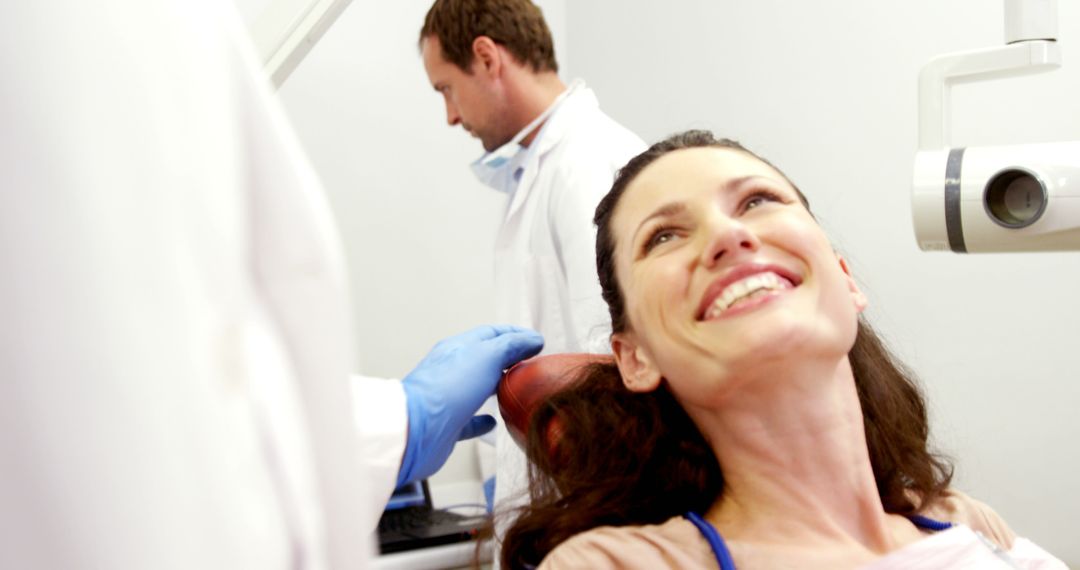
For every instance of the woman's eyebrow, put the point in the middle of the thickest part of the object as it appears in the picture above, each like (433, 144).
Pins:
(676, 208)
(736, 182)
(669, 209)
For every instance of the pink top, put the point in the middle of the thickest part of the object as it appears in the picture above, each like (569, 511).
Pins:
(676, 543)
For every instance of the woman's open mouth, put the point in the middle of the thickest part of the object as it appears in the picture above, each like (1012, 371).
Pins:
(742, 288)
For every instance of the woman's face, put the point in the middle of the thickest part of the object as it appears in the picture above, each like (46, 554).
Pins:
(725, 275)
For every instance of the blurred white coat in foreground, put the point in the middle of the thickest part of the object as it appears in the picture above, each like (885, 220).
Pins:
(175, 340)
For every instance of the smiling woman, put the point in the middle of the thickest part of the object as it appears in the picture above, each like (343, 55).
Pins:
(751, 416)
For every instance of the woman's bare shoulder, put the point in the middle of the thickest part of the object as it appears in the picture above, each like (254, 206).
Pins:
(959, 508)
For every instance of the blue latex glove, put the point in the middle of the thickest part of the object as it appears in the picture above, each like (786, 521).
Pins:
(449, 385)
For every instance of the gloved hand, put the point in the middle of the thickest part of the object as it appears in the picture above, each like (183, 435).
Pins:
(449, 385)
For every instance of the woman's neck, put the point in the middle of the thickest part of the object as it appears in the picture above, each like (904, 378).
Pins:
(792, 448)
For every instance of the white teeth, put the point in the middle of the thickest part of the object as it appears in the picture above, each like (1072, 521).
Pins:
(743, 288)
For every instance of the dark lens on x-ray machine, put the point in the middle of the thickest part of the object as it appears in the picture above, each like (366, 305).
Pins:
(1015, 198)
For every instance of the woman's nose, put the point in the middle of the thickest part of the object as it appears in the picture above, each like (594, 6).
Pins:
(725, 237)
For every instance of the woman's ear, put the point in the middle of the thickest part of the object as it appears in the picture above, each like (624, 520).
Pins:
(486, 56)
(856, 294)
(639, 372)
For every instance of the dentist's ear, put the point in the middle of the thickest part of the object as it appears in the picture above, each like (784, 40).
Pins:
(857, 295)
(486, 55)
(638, 371)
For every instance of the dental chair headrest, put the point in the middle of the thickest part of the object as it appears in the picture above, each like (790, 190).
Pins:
(531, 382)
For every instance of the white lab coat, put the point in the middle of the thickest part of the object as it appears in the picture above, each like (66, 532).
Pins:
(175, 331)
(545, 256)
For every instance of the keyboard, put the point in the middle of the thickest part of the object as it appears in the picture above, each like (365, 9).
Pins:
(420, 527)
(409, 519)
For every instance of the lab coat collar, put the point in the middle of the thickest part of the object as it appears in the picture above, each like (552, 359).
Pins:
(581, 100)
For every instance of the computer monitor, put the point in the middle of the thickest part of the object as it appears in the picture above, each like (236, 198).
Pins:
(408, 495)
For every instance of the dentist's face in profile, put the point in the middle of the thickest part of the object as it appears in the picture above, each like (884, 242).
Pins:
(472, 98)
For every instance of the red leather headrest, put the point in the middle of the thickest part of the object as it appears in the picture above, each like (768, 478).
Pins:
(529, 383)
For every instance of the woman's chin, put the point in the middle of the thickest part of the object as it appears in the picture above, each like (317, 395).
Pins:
(770, 343)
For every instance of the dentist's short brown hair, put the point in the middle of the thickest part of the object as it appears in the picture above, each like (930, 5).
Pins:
(517, 25)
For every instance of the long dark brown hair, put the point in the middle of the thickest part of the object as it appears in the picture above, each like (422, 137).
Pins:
(627, 458)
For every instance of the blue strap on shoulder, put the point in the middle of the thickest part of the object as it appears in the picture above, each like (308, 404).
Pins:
(927, 523)
(723, 557)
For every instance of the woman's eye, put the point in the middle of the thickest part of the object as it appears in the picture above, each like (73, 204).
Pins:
(660, 236)
(760, 198)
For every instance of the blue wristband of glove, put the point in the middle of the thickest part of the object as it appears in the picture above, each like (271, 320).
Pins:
(413, 453)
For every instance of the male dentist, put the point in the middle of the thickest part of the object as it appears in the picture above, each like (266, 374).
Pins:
(552, 151)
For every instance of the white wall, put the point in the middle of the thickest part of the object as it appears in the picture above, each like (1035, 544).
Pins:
(827, 91)
(418, 229)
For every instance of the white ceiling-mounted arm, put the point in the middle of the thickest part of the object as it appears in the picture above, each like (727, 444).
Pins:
(1031, 34)
(1027, 20)
(287, 30)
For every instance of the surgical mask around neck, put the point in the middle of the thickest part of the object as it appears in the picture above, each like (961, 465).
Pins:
(496, 168)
